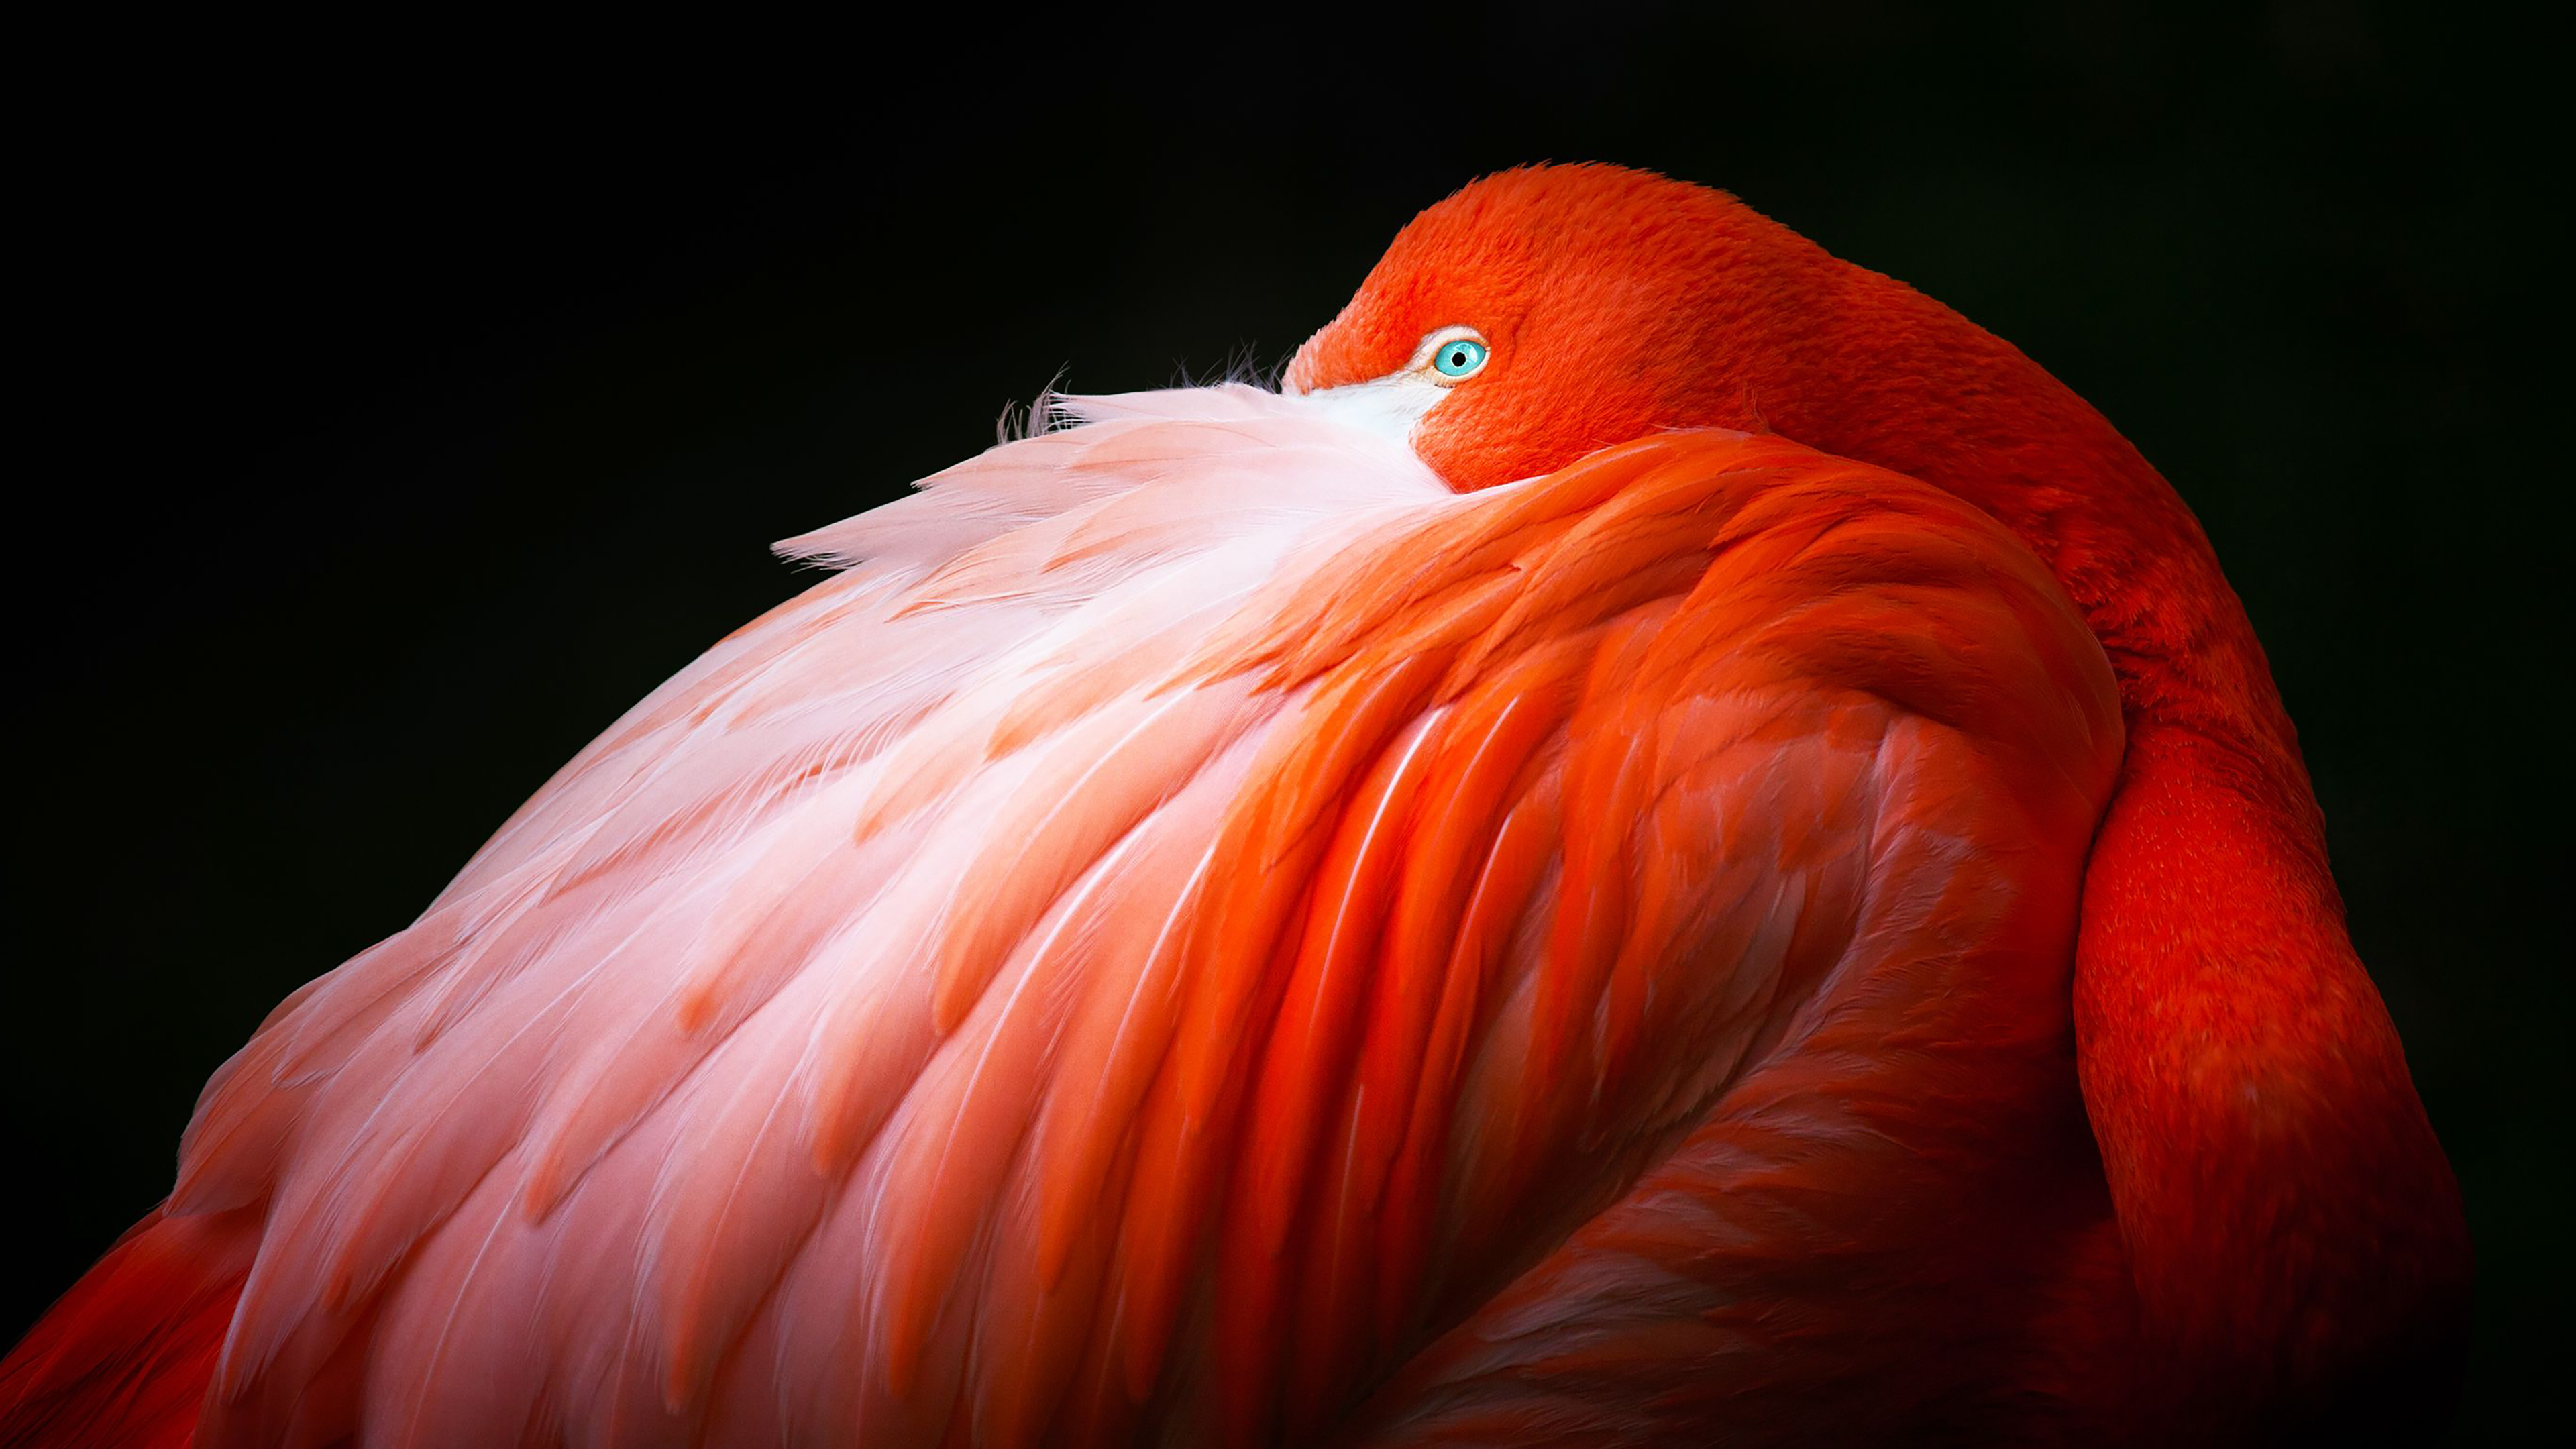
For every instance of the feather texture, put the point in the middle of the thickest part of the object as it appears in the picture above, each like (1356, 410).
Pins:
(1196, 913)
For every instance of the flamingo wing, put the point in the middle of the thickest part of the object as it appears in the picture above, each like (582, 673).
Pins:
(1195, 923)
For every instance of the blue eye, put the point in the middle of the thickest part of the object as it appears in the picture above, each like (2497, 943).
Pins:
(1459, 357)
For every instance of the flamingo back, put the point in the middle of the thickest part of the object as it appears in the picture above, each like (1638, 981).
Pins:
(1194, 925)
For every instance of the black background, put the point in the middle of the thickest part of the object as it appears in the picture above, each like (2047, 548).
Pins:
(403, 404)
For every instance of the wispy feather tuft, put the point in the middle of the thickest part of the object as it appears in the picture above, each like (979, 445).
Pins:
(1243, 367)
(1046, 413)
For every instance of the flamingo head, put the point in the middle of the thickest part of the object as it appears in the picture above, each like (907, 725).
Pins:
(1545, 312)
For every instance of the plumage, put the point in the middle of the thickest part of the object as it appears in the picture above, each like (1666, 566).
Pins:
(1579, 925)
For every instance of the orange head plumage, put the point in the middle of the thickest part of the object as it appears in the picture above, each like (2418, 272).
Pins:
(1606, 304)
(1611, 303)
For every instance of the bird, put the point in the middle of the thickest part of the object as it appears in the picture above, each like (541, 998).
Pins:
(1668, 842)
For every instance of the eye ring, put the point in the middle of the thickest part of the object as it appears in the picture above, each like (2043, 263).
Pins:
(1453, 355)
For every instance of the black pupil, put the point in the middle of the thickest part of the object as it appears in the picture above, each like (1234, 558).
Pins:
(1458, 357)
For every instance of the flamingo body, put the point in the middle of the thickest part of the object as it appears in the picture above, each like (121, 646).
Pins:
(1222, 925)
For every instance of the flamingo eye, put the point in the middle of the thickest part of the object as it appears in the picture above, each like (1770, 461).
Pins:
(1459, 357)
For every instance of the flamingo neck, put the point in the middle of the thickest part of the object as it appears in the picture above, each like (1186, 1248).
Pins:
(2292, 1228)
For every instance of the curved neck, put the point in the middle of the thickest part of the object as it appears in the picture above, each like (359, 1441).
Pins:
(2292, 1228)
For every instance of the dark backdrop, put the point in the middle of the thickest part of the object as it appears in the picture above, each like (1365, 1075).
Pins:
(409, 402)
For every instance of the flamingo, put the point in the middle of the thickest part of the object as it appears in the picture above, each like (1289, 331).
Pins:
(1670, 843)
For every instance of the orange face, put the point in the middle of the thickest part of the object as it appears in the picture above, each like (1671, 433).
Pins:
(1544, 313)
